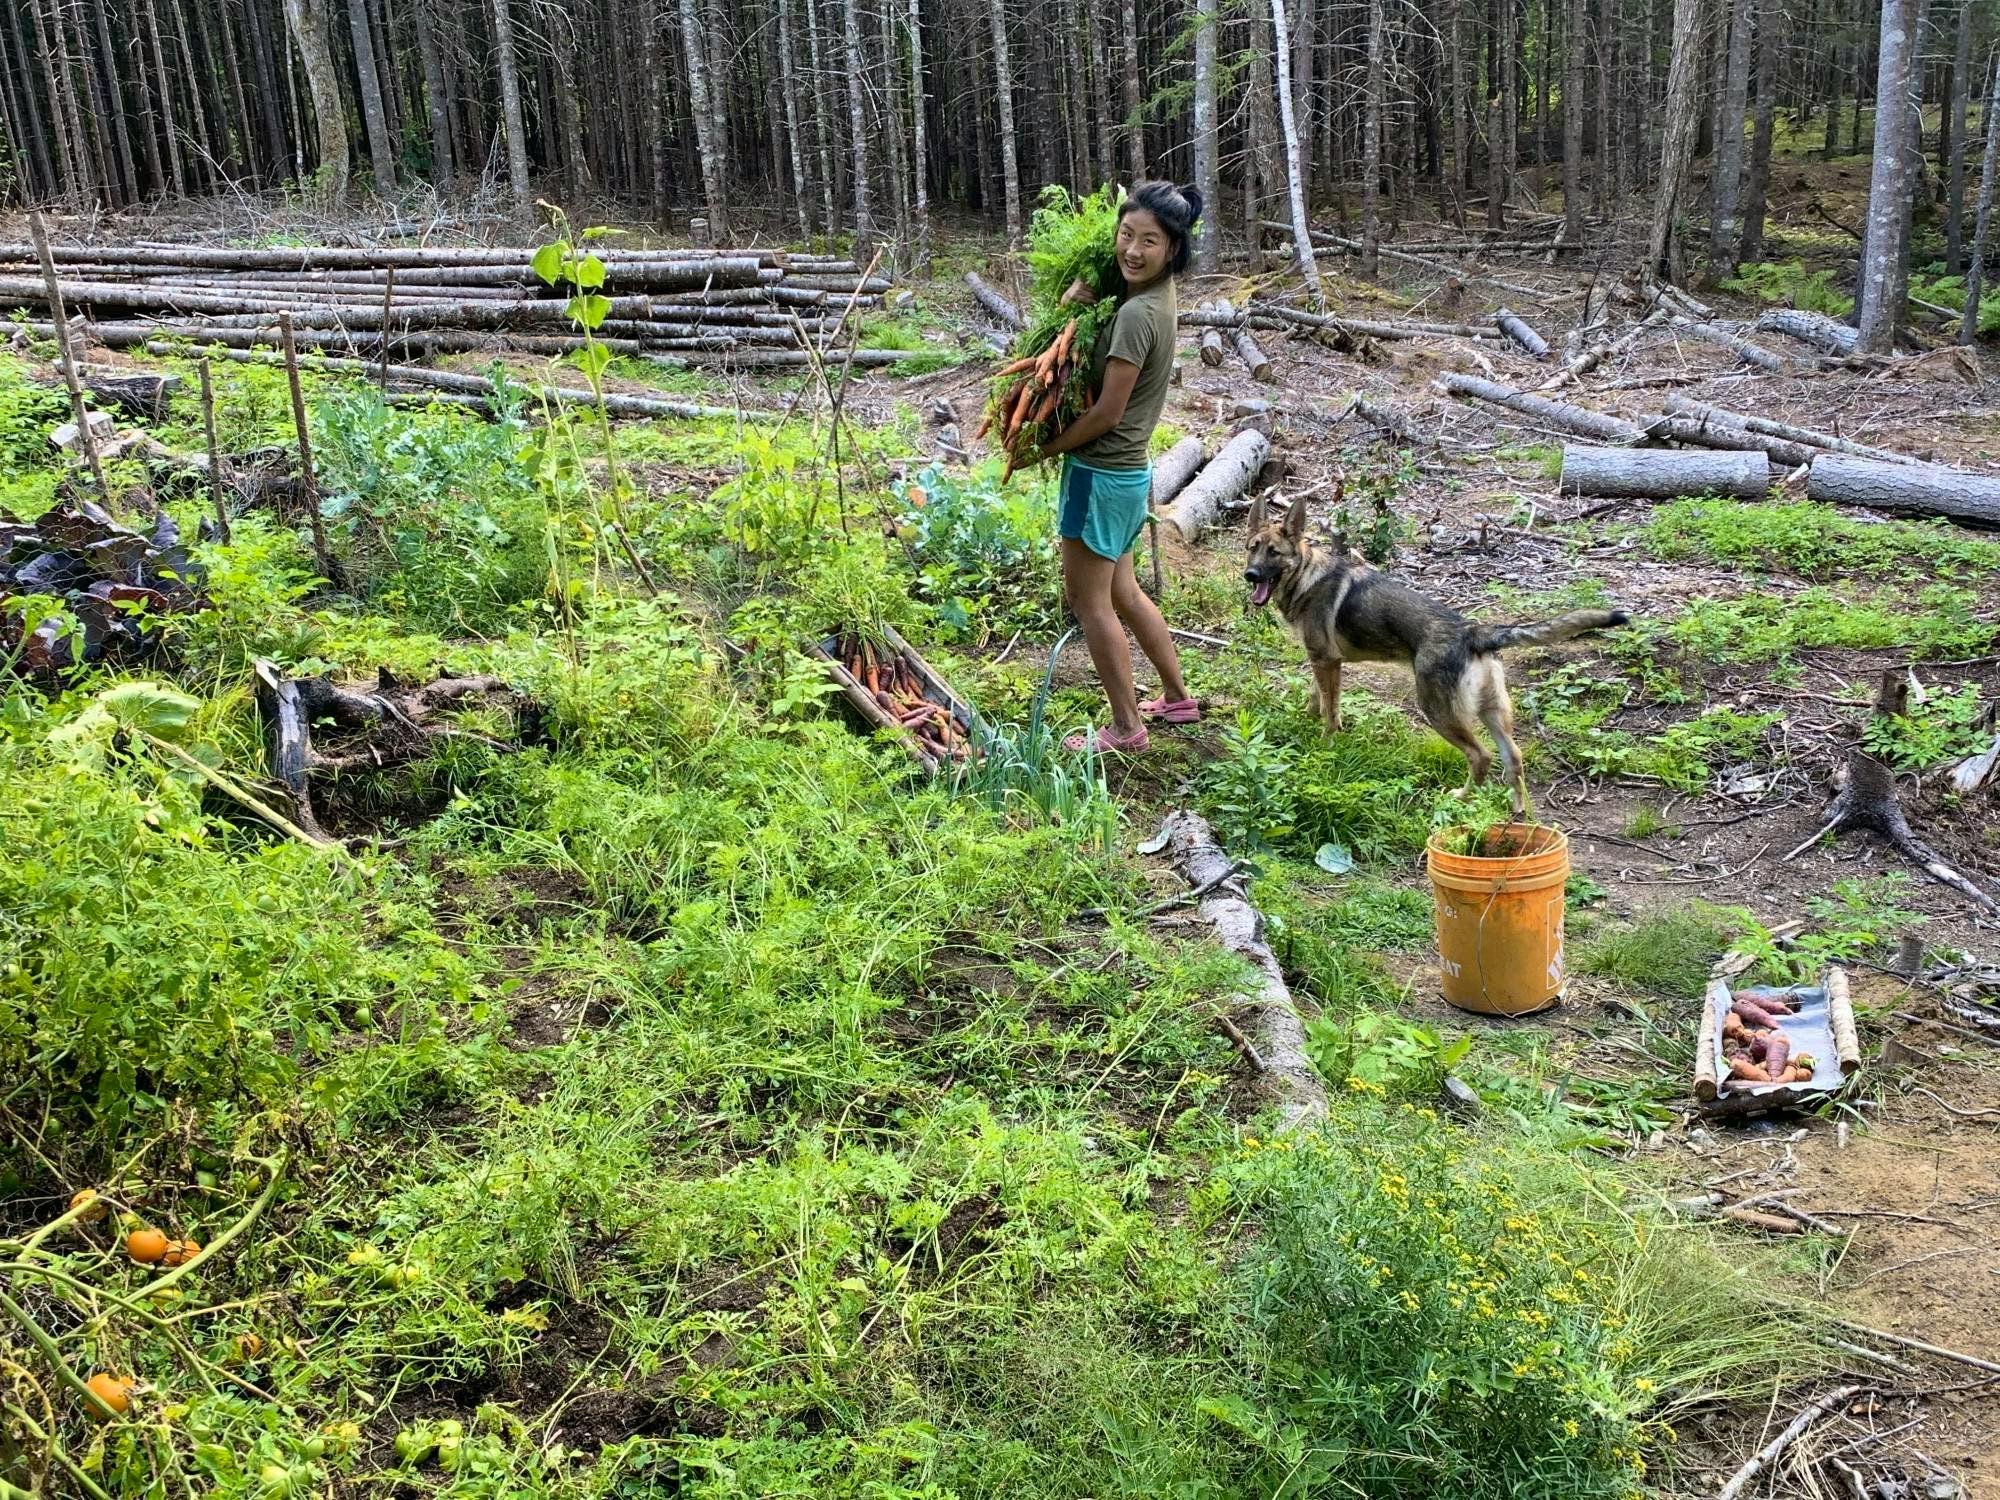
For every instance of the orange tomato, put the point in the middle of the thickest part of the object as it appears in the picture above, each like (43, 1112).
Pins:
(88, 1206)
(180, 1252)
(115, 1391)
(147, 1246)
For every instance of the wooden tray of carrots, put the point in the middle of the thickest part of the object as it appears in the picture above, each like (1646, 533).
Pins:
(891, 687)
(1764, 1048)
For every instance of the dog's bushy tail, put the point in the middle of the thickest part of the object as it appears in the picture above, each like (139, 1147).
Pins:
(1487, 638)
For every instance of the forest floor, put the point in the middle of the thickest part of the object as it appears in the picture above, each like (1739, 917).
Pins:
(684, 1097)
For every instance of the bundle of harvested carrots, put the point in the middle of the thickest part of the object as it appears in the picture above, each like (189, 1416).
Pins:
(1754, 1042)
(1037, 395)
(901, 694)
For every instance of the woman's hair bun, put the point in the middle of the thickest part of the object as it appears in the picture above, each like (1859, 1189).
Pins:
(1195, 202)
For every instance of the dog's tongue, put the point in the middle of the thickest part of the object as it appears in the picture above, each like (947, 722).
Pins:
(1261, 593)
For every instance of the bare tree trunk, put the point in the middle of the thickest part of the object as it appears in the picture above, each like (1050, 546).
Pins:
(308, 22)
(1956, 122)
(62, 109)
(512, 124)
(1770, 58)
(1281, 54)
(1371, 147)
(1135, 133)
(1305, 102)
(1677, 140)
(121, 132)
(920, 144)
(374, 119)
(1574, 90)
(1975, 268)
(1261, 178)
(1830, 142)
(1605, 166)
(817, 93)
(30, 111)
(435, 108)
(1722, 228)
(801, 188)
(1496, 163)
(1003, 86)
(1884, 285)
(715, 191)
(889, 127)
(864, 212)
(1461, 112)
(1207, 234)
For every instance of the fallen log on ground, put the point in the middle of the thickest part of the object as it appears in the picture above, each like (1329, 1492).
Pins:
(1212, 352)
(1867, 799)
(1716, 416)
(146, 297)
(1559, 414)
(997, 306)
(1255, 360)
(480, 387)
(141, 397)
(724, 269)
(1175, 468)
(1222, 479)
(1663, 474)
(1767, 1456)
(1275, 1032)
(1509, 322)
(1339, 244)
(1602, 350)
(1810, 328)
(1917, 488)
(398, 725)
(1742, 348)
(1708, 435)
(1265, 316)
(1383, 418)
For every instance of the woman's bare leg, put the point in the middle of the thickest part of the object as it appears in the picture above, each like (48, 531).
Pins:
(1087, 584)
(1149, 629)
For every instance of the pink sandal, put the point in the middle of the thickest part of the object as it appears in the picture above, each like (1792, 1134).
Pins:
(1107, 743)
(1181, 711)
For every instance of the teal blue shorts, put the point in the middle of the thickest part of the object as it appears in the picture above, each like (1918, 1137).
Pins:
(1105, 509)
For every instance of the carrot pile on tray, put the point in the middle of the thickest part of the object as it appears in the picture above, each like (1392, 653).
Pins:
(1754, 1042)
(899, 692)
(1028, 402)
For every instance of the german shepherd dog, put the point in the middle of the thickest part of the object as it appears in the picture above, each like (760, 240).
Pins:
(1342, 610)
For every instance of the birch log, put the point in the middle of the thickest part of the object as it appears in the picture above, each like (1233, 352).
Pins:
(1810, 328)
(1223, 478)
(1742, 348)
(1687, 406)
(1663, 474)
(1212, 352)
(1173, 471)
(1559, 414)
(997, 307)
(1509, 322)
(1266, 1005)
(1923, 489)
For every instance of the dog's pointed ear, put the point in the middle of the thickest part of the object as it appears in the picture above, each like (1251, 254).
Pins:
(1256, 515)
(1295, 519)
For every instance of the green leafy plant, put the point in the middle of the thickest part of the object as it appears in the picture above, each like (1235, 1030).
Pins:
(1367, 516)
(1791, 283)
(1383, 1052)
(1250, 791)
(986, 552)
(1946, 726)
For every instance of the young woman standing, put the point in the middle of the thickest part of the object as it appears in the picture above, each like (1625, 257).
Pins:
(1107, 472)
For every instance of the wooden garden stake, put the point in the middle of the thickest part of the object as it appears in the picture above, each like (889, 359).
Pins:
(86, 439)
(322, 556)
(215, 478)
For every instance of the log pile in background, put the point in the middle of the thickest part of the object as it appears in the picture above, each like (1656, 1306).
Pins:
(743, 309)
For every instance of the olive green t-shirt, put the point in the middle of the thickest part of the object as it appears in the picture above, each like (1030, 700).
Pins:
(1143, 334)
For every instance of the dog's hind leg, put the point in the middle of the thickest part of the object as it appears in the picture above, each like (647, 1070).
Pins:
(1326, 693)
(1498, 717)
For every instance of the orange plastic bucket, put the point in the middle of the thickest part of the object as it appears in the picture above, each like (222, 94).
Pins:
(1500, 919)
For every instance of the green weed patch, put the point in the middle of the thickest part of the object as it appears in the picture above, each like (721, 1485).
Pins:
(1814, 541)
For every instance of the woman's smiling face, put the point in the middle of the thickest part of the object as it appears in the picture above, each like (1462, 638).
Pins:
(1144, 247)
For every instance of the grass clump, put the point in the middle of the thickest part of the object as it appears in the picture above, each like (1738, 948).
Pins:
(1458, 1317)
(1814, 541)
(1669, 952)
(1766, 628)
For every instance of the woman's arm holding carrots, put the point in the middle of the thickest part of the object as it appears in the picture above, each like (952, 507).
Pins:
(1120, 376)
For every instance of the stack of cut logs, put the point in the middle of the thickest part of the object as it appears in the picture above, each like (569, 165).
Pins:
(738, 308)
